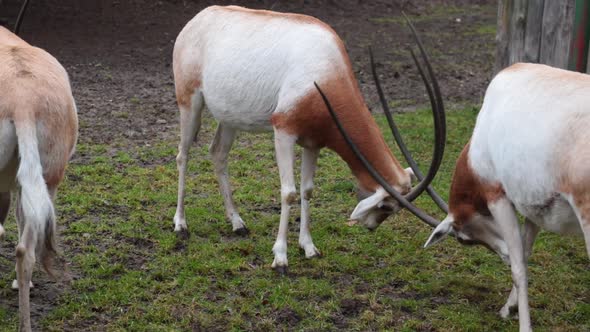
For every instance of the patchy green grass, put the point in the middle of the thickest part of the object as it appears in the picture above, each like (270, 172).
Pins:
(132, 273)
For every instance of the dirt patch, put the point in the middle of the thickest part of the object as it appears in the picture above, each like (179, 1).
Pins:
(352, 307)
(287, 316)
(118, 54)
(45, 294)
(142, 250)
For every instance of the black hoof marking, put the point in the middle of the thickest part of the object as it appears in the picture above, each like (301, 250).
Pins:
(242, 231)
(317, 255)
(281, 270)
(183, 234)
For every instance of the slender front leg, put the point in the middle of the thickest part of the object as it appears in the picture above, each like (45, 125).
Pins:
(190, 123)
(308, 167)
(224, 138)
(285, 154)
(503, 212)
(530, 233)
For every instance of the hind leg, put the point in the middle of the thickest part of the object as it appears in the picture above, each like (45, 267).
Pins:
(224, 137)
(580, 202)
(20, 220)
(530, 233)
(52, 189)
(4, 208)
(190, 123)
(25, 262)
(503, 211)
(308, 167)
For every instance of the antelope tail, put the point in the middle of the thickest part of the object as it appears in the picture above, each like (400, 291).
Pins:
(37, 207)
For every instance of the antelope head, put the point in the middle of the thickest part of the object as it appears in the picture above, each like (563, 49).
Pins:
(373, 208)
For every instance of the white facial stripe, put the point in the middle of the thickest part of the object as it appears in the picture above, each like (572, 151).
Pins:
(368, 204)
(441, 231)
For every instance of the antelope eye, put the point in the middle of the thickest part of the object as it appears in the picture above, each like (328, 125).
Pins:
(387, 207)
(467, 242)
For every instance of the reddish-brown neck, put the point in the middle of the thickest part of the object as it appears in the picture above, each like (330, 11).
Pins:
(366, 135)
(469, 195)
(311, 122)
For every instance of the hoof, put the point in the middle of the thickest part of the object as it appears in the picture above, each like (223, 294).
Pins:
(183, 234)
(281, 270)
(242, 231)
(509, 312)
(15, 285)
(314, 253)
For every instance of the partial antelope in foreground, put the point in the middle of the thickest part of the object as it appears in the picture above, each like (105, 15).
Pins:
(38, 131)
(255, 70)
(530, 152)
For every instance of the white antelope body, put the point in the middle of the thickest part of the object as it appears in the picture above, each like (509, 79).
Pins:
(38, 131)
(530, 153)
(254, 70)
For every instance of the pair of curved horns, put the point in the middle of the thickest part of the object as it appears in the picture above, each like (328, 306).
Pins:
(436, 103)
(19, 19)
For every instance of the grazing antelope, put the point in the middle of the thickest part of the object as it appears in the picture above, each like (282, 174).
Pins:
(254, 70)
(38, 132)
(529, 152)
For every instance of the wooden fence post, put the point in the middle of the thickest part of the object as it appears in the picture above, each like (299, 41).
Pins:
(557, 34)
(518, 24)
(579, 52)
(502, 35)
(532, 40)
(535, 31)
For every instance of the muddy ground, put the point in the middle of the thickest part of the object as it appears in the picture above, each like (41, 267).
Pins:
(118, 55)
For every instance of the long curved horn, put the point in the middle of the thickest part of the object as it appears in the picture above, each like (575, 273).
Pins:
(19, 19)
(398, 137)
(439, 117)
(440, 136)
(399, 197)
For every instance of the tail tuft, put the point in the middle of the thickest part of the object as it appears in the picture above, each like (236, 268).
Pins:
(35, 201)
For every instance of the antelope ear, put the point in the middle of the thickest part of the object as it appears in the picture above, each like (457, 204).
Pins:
(368, 203)
(440, 232)
(411, 174)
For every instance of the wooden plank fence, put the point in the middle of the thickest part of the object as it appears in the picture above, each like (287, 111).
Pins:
(579, 54)
(553, 32)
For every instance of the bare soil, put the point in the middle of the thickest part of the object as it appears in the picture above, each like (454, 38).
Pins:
(118, 53)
